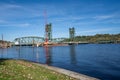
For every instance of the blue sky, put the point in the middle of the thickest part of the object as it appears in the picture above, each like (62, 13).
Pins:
(20, 18)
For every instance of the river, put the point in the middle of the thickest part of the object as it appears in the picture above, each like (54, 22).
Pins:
(97, 60)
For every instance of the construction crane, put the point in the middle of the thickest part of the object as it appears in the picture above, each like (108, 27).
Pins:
(46, 28)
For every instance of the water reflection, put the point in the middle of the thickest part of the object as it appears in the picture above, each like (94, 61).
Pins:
(37, 55)
(1, 52)
(18, 48)
(73, 54)
(48, 55)
(34, 53)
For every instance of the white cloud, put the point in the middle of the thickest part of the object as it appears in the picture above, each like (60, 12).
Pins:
(77, 17)
(9, 6)
(16, 25)
(9, 11)
(102, 17)
(12, 6)
(24, 25)
(98, 30)
(68, 18)
(3, 21)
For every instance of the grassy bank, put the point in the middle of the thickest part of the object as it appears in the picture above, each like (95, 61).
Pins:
(23, 70)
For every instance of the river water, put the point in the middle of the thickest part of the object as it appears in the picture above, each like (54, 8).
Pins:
(97, 60)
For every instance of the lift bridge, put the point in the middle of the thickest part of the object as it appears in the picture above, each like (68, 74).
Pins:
(34, 41)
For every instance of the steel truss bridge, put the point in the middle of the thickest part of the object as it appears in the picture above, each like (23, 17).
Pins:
(29, 40)
(34, 40)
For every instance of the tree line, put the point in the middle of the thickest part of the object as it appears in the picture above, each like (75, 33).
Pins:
(98, 38)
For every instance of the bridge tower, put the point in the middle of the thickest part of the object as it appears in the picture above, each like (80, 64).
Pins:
(48, 31)
(72, 33)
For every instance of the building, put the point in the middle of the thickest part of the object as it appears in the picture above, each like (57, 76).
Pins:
(5, 44)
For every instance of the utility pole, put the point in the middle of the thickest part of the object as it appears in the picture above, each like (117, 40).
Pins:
(2, 41)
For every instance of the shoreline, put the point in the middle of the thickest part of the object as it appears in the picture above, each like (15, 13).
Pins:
(73, 74)
(69, 73)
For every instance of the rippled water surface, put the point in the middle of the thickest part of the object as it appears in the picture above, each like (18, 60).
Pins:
(97, 60)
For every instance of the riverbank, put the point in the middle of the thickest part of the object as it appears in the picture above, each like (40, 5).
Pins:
(23, 70)
(5, 44)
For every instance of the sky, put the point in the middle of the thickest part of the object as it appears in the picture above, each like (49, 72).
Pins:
(21, 18)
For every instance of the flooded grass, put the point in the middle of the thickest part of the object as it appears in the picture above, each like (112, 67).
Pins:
(23, 70)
